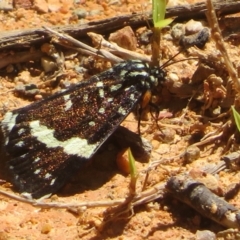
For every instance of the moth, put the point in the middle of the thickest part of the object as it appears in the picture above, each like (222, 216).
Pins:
(49, 140)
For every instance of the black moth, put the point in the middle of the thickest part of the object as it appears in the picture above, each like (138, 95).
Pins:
(50, 139)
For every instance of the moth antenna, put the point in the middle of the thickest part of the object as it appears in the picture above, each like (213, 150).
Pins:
(181, 60)
(169, 62)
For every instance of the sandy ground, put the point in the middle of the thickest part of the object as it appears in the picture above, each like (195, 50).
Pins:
(102, 180)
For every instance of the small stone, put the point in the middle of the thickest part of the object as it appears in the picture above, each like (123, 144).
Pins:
(28, 90)
(203, 72)
(145, 36)
(205, 234)
(166, 135)
(6, 5)
(216, 111)
(123, 162)
(192, 27)
(26, 4)
(124, 38)
(48, 64)
(209, 180)
(173, 77)
(155, 144)
(177, 31)
(191, 154)
(9, 68)
(198, 39)
(46, 228)
(54, 5)
(80, 13)
(38, 97)
(41, 6)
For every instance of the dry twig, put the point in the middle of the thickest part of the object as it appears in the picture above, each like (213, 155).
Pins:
(144, 197)
(199, 197)
(217, 36)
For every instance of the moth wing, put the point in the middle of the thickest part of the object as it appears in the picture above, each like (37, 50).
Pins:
(48, 140)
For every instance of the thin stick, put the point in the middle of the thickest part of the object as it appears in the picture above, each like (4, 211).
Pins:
(141, 198)
(97, 52)
(217, 36)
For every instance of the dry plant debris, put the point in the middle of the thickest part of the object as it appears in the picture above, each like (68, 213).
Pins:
(195, 131)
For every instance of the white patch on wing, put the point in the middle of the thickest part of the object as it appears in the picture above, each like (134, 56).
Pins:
(101, 93)
(23, 156)
(101, 110)
(123, 73)
(36, 160)
(154, 80)
(92, 124)
(85, 97)
(139, 64)
(47, 175)
(9, 121)
(68, 102)
(37, 171)
(99, 84)
(20, 144)
(115, 87)
(132, 97)
(135, 74)
(72, 146)
(53, 181)
(122, 111)
(21, 131)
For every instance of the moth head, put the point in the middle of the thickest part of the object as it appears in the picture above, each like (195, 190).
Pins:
(157, 75)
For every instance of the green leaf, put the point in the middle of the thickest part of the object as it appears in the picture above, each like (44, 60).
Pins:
(163, 23)
(133, 170)
(236, 118)
(158, 10)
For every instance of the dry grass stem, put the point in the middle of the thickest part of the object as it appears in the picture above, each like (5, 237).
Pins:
(216, 34)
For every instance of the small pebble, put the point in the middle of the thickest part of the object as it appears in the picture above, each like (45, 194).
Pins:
(28, 90)
(9, 68)
(198, 39)
(192, 27)
(145, 36)
(123, 162)
(46, 228)
(177, 31)
(125, 38)
(173, 77)
(48, 64)
(166, 135)
(38, 97)
(80, 13)
(41, 6)
(205, 235)
(191, 154)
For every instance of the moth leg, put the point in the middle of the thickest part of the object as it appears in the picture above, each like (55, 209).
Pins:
(145, 101)
(157, 111)
(140, 110)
